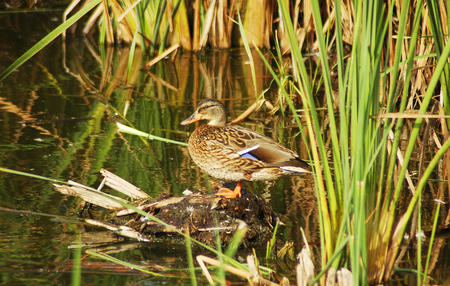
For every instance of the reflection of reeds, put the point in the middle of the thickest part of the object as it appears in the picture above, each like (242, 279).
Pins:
(150, 99)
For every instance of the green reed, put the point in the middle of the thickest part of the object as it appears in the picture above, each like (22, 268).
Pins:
(357, 206)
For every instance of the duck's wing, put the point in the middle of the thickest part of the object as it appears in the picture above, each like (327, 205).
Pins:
(255, 146)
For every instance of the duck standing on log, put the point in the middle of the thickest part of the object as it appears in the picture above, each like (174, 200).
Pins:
(233, 153)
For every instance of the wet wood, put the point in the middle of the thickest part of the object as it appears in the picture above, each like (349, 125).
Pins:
(117, 183)
(89, 196)
(202, 215)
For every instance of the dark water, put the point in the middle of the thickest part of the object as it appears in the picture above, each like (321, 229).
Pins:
(57, 118)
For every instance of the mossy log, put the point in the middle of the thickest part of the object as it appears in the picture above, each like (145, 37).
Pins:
(202, 215)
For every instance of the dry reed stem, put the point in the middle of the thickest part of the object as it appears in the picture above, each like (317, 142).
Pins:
(303, 31)
(127, 11)
(207, 24)
(257, 27)
(203, 260)
(196, 28)
(343, 277)
(66, 13)
(218, 25)
(411, 115)
(108, 23)
(400, 161)
(164, 83)
(252, 108)
(180, 33)
(162, 55)
(91, 20)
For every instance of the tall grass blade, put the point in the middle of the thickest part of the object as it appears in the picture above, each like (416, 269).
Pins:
(220, 272)
(420, 236)
(129, 130)
(439, 39)
(162, 45)
(48, 38)
(160, 12)
(430, 244)
(131, 55)
(334, 197)
(29, 175)
(190, 258)
(236, 240)
(249, 54)
(76, 268)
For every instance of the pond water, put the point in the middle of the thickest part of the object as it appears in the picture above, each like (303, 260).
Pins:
(58, 114)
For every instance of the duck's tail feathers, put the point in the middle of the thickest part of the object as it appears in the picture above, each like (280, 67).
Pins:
(295, 169)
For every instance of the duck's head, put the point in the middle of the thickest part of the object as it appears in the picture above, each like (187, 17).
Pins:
(208, 109)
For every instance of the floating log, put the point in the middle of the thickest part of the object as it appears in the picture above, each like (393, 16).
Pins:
(203, 216)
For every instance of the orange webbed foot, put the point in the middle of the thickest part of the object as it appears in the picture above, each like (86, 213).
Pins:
(228, 193)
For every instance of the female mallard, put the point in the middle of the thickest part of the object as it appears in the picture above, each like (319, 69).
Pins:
(233, 153)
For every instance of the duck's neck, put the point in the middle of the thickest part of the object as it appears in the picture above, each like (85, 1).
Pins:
(219, 121)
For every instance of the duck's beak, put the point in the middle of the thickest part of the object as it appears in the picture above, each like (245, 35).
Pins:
(191, 119)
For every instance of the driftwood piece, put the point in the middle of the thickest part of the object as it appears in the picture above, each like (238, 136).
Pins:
(202, 215)
(89, 196)
(117, 183)
(120, 230)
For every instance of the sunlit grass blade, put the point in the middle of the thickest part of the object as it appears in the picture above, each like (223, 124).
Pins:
(271, 243)
(48, 38)
(76, 269)
(159, 16)
(131, 55)
(220, 271)
(334, 196)
(404, 98)
(34, 176)
(236, 240)
(430, 243)
(249, 54)
(439, 41)
(162, 45)
(190, 258)
(129, 130)
(399, 123)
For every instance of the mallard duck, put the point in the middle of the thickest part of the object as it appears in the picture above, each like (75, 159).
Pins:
(233, 153)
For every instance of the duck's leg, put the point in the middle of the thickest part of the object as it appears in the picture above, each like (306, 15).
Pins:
(228, 193)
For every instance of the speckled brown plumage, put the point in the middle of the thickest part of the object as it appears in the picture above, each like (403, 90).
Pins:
(234, 153)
